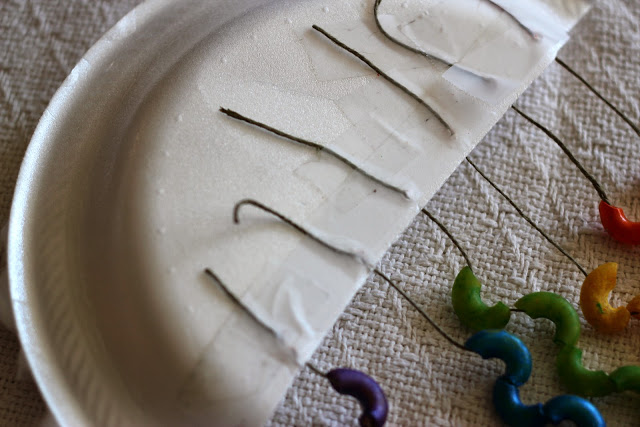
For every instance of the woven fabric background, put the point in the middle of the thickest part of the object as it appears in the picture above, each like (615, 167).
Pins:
(426, 379)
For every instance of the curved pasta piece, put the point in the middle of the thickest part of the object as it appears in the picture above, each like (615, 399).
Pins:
(617, 225)
(573, 408)
(469, 307)
(584, 382)
(502, 345)
(555, 308)
(594, 300)
(634, 307)
(506, 396)
(573, 375)
(506, 400)
(627, 378)
(580, 380)
(366, 390)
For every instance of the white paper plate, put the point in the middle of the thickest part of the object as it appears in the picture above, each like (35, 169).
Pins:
(126, 190)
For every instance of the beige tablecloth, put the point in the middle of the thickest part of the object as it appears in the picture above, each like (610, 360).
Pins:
(427, 380)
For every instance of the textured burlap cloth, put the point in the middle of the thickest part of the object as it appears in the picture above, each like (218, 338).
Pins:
(427, 380)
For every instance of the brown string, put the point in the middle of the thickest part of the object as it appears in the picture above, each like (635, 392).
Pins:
(526, 217)
(316, 146)
(339, 251)
(385, 76)
(494, 185)
(566, 151)
(620, 114)
(233, 297)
